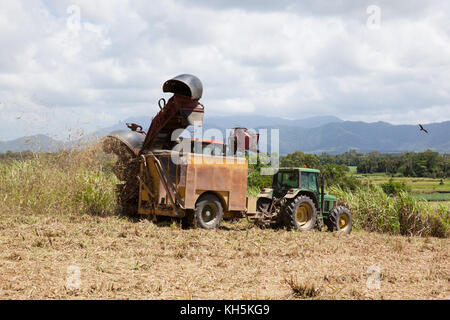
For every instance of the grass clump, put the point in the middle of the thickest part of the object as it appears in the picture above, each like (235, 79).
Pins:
(302, 290)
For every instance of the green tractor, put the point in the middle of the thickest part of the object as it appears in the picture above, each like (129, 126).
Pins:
(297, 201)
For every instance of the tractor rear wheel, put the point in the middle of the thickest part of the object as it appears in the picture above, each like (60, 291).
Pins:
(208, 213)
(300, 214)
(339, 219)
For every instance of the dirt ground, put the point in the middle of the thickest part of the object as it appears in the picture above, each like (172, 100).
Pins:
(88, 257)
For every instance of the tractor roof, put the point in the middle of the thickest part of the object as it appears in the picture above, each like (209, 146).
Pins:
(300, 169)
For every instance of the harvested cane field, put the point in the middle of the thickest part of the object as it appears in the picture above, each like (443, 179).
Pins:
(61, 237)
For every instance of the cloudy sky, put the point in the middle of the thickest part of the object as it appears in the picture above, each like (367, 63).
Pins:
(72, 67)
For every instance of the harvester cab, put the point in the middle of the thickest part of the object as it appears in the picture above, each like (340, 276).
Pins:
(297, 201)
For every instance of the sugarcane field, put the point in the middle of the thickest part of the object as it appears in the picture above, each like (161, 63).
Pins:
(249, 153)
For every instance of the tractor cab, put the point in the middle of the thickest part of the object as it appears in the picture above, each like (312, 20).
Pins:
(299, 178)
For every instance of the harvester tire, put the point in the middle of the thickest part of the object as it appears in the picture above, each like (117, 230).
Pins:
(339, 219)
(208, 213)
(299, 214)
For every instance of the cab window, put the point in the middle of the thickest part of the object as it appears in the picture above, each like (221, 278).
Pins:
(305, 180)
(313, 182)
(309, 181)
(286, 180)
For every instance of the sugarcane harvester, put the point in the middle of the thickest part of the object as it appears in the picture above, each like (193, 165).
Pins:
(161, 179)
(201, 189)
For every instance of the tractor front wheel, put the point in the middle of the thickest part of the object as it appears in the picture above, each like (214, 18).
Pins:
(300, 214)
(339, 219)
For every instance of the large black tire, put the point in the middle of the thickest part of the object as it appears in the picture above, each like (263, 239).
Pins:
(339, 219)
(208, 213)
(299, 214)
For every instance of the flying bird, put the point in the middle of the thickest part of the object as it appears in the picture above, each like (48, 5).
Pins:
(422, 129)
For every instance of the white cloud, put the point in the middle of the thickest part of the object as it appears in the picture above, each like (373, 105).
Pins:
(285, 59)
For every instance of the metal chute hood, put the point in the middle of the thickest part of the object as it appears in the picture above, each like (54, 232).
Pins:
(186, 85)
(123, 139)
(181, 110)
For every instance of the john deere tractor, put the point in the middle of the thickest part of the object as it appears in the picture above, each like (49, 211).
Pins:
(297, 201)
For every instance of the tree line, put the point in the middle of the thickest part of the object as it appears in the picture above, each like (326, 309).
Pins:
(408, 164)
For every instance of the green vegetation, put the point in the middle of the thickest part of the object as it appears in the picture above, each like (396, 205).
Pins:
(394, 187)
(433, 196)
(300, 159)
(353, 169)
(256, 181)
(374, 210)
(339, 175)
(69, 182)
(408, 164)
(418, 187)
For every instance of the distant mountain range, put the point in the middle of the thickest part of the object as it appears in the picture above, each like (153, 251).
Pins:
(256, 121)
(38, 142)
(312, 135)
(365, 137)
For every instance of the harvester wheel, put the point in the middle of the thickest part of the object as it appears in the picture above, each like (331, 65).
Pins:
(339, 219)
(300, 214)
(208, 212)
